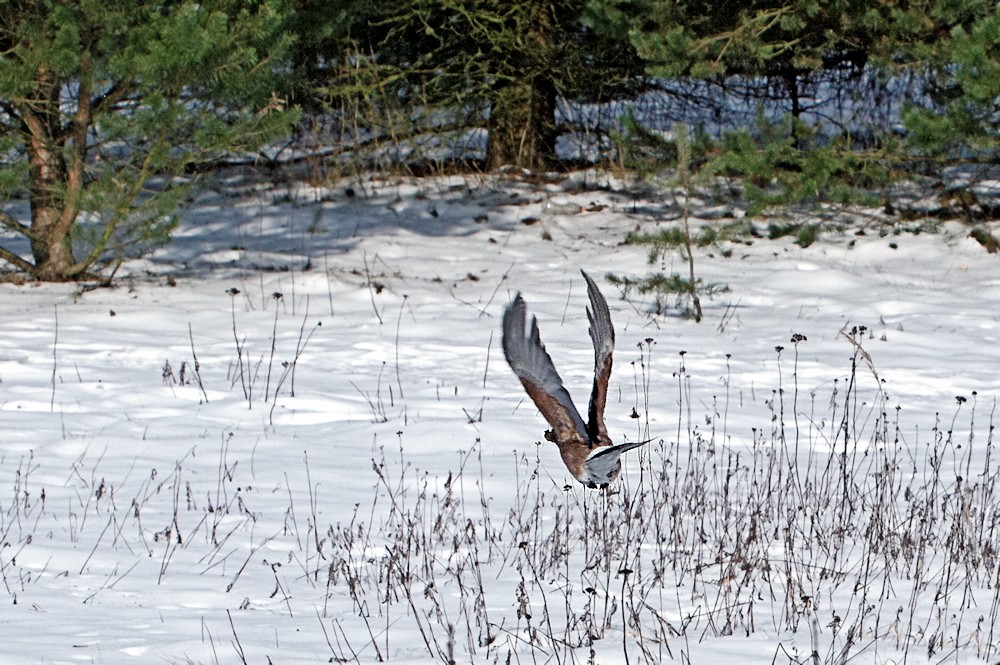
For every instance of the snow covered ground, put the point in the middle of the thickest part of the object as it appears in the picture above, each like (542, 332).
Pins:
(291, 436)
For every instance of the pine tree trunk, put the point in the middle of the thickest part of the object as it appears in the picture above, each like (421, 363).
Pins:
(522, 129)
(53, 187)
(50, 248)
(50, 244)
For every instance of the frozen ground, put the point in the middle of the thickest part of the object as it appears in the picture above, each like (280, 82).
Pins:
(391, 501)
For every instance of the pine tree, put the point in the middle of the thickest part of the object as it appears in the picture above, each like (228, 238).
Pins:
(103, 102)
(502, 65)
(958, 118)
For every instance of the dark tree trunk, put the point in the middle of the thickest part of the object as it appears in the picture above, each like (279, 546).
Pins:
(790, 76)
(522, 126)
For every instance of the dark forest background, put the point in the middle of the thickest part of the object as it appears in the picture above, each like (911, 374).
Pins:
(107, 109)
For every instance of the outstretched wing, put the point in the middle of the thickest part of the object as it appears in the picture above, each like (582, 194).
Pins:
(602, 461)
(527, 356)
(602, 333)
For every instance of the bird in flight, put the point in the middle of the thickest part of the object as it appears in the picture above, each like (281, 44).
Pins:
(586, 449)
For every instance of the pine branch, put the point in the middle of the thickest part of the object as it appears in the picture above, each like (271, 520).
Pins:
(17, 261)
(14, 225)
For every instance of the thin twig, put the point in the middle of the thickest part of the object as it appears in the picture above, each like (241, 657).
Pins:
(489, 347)
(236, 644)
(329, 287)
(493, 295)
(55, 342)
(371, 291)
(233, 292)
(683, 162)
(399, 319)
(197, 365)
(274, 345)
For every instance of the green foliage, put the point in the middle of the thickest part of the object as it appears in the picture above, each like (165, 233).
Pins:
(786, 164)
(805, 234)
(670, 292)
(402, 69)
(454, 65)
(961, 119)
(114, 102)
(330, 47)
(685, 292)
(786, 51)
(681, 293)
(986, 239)
(641, 149)
(672, 238)
(784, 39)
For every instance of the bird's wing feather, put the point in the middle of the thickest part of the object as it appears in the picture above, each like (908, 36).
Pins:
(527, 356)
(602, 333)
(601, 461)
